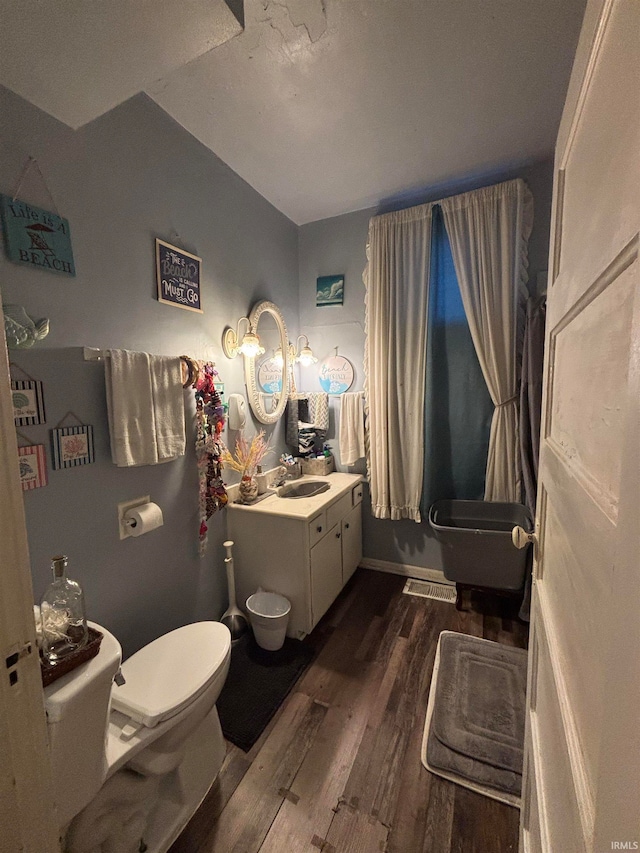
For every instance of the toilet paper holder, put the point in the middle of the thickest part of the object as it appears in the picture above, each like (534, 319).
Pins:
(138, 516)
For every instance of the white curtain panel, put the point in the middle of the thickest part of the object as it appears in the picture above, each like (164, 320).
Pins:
(397, 283)
(488, 230)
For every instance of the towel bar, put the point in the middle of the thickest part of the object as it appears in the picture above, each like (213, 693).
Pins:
(95, 354)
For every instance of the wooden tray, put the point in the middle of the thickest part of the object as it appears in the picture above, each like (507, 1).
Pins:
(51, 672)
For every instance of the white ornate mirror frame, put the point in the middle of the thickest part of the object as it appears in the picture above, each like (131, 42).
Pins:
(250, 374)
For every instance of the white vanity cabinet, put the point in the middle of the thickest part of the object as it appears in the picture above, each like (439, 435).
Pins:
(304, 548)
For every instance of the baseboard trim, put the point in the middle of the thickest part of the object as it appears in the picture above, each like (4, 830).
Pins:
(406, 571)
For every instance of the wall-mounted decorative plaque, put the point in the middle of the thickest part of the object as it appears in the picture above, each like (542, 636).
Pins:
(178, 277)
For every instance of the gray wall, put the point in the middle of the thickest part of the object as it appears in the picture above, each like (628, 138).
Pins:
(122, 180)
(338, 245)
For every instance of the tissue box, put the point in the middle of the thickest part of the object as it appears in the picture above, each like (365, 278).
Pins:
(319, 467)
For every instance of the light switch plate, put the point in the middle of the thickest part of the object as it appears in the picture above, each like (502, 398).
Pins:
(122, 509)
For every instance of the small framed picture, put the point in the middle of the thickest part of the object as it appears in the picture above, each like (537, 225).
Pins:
(178, 277)
(329, 290)
(33, 466)
(72, 446)
(28, 402)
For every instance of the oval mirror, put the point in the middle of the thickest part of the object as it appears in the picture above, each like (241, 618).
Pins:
(267, 321)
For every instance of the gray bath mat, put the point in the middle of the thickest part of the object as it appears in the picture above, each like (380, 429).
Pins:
(474, 731)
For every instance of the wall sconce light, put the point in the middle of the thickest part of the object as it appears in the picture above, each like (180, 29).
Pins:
(250, 345)
(305, 354)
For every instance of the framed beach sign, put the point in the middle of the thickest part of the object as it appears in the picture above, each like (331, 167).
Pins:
(72, 446)
(178, 277)
(33, 466)
(28, 402)
(35, 237)
(329, 290)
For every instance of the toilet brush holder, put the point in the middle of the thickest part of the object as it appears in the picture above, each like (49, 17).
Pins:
(233, 617)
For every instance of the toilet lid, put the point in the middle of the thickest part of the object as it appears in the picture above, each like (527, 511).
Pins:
(168, 674)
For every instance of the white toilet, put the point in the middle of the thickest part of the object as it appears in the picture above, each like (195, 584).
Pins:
(133, 762)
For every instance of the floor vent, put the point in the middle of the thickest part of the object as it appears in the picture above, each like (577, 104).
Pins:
(430, 589)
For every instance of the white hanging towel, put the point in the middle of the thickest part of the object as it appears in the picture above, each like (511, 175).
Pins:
(351, 427)
(145, 406)
(168, 406)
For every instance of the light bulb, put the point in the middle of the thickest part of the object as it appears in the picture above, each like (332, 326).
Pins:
(306, 357)
(250, 345)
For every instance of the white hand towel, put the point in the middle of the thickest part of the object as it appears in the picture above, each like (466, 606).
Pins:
(146, 408)
(351, 427)
(130, 405)
(168, 406)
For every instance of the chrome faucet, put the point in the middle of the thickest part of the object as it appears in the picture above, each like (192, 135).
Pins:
(285, 473)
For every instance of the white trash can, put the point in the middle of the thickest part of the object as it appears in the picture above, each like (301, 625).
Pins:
(269, 614)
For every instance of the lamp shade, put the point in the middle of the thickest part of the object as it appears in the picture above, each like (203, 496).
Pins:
(250, 345)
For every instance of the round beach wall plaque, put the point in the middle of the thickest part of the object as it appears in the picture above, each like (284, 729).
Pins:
(336, 374)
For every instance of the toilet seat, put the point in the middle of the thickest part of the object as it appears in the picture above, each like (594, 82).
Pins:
(165, 677)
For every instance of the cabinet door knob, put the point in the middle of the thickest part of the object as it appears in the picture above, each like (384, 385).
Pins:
(337, 535)
(347, 526)
(319, 528)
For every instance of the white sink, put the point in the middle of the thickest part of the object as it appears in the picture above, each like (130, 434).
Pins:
(303, 489)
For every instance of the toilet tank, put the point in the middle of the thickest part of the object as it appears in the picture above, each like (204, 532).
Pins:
(78, 706)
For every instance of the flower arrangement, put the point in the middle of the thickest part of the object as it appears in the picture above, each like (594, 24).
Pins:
(248, 454)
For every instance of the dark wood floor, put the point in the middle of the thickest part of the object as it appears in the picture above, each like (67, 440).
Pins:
(338, 769)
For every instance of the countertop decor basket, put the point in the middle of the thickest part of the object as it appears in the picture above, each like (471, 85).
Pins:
(51, 672)
(319, 467)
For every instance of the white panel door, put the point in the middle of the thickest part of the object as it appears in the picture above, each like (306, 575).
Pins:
(27, 820)
(582, 749)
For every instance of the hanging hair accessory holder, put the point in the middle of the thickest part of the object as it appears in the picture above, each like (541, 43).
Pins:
(210, 418)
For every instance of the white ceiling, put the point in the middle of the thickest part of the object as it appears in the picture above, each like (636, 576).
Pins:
(77, 59)
(323, 106)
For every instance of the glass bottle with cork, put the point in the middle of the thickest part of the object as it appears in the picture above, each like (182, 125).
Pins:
(64, 623)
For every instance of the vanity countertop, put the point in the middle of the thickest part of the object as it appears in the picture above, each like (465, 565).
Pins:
(303, 508)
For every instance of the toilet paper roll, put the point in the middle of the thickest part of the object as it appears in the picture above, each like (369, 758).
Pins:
(142, 519)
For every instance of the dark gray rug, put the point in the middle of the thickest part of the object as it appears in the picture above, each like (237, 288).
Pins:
(476, 729)
(257, 684)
